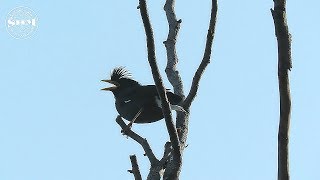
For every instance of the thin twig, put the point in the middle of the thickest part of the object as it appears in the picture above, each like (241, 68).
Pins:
(142, 141)
(135, 168)
(159, 84)
(284, 66)
(206, 57)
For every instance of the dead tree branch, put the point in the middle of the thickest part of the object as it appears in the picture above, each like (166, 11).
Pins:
(155, 172)
(206, 57)
(166, 153)
(172, 157)
(135, 168)
(284, 66)
(172, 71)
(160, 87)
(142, 141)
(170, 44)
(182, 121)
(174, 78)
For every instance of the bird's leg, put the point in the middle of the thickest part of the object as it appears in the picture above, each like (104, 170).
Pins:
(132, 121)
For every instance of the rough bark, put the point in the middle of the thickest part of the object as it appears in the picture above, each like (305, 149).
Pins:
(284, 66)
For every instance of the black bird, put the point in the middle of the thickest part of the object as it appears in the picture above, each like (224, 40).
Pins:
(135, 102)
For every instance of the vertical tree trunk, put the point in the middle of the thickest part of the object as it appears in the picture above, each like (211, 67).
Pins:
(284, 66)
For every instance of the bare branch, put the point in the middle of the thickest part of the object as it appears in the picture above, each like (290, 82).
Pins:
(174, 77)
(206, 57)
(156, 165)
(135, 168)
(156, 170)
(166, 153)
(172, 70)
(159, 84)
(142, 141)
(284, 66)
(170, 44)
(155, 173)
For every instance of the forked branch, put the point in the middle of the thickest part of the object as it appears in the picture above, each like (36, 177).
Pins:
(159, 84)
(142, 141)
(172, 156)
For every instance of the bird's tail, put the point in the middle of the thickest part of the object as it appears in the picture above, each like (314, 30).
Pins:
(173, 98)
(174, 101)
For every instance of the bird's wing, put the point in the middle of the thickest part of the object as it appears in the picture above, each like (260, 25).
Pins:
(144, 94)
(137, 96)
(141, 95)
(152, 90)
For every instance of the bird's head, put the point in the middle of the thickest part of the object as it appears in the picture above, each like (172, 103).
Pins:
(121, 79)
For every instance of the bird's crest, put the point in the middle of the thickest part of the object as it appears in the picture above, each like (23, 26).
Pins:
(119, 73)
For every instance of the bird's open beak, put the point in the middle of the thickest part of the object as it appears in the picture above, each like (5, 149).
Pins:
(116, 85)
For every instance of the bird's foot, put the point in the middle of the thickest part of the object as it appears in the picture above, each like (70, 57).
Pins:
(126, 129)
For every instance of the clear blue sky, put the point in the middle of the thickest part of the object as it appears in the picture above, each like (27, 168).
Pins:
(56, 124)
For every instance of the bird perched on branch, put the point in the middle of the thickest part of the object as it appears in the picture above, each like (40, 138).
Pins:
(135, 102)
